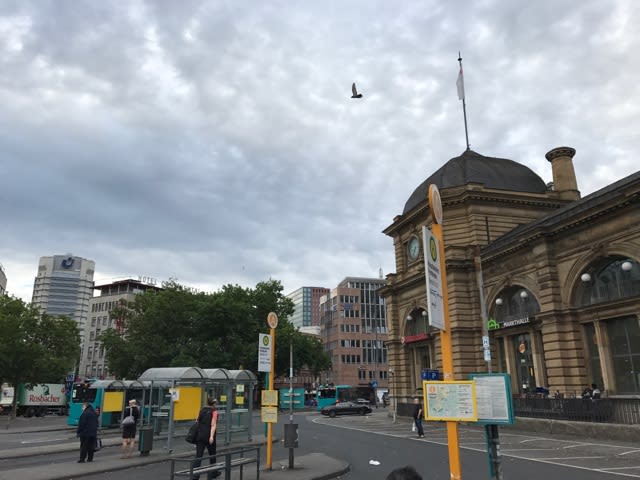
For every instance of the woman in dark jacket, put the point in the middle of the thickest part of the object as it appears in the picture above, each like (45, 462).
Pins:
(88, 432)
(207, 429)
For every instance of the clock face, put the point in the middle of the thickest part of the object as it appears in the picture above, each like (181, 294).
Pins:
(414, 248)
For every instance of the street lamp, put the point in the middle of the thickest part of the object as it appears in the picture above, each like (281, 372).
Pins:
(626, 266)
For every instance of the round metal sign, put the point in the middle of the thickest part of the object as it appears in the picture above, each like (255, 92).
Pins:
(272, 320)
(435, 204)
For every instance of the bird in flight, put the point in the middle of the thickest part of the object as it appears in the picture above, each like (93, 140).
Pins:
(355, 92)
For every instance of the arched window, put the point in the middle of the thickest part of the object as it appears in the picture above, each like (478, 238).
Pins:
(513, 304)
(608, 279)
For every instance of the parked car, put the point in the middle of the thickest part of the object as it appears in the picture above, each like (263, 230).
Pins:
(363, 401)
(346, 408)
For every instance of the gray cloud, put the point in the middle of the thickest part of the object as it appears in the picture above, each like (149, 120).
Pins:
(216, 142)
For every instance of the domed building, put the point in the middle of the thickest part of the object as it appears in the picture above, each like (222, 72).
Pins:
(552, 278)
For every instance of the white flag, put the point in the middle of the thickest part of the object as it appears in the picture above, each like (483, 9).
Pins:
(460, 84)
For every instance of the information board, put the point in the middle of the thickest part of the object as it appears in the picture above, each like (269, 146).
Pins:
(450, 401)
(264, 352)
(269, 414)
(269, 398)
(494, 401)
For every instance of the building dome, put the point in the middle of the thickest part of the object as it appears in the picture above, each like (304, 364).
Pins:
(471, 167)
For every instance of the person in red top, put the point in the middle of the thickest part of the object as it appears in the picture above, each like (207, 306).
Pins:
(207, 429)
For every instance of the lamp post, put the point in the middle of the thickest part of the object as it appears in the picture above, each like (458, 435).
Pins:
(395, 398)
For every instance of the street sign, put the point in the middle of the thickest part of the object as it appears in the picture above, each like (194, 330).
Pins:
(264, 352)
(269, 414)
(433, 278)
(272, 320)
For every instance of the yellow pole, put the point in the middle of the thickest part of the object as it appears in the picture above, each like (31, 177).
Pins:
(445, 335)
(272, 332)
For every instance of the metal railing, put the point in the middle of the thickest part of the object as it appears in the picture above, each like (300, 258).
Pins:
(604, 410)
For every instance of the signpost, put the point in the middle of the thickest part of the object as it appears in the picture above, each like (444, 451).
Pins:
(272, 321)
(435, 207)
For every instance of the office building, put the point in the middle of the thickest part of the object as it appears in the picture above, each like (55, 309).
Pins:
(93, 361)
(3, 281)
(64, 286)
(306, 301)
(354, 331)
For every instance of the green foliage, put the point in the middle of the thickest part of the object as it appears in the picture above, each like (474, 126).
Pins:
(177, 327)
(35, 348)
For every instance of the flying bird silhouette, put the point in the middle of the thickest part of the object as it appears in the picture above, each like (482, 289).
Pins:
(355, 92)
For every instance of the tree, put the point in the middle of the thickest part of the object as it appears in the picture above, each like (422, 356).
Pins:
(34, 348)
(177, 327)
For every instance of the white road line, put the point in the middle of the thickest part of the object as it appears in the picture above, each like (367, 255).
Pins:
(502, 449)
(570, 458)
(25, 442)
(621, 468)
(627, 453)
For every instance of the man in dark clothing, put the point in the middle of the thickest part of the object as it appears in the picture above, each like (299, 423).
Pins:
(417, 416)
(88, 432)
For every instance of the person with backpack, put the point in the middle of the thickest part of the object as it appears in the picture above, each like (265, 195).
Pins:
(206, 438)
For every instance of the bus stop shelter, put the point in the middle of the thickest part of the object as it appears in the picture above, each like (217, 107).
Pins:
(178, 394)
(115, 394)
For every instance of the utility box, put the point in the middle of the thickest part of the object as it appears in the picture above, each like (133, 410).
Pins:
(291, 435)
(145, 442)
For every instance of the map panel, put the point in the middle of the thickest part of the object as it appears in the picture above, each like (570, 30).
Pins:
(450, 401)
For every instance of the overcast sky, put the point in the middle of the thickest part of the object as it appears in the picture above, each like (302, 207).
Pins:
(216, 142)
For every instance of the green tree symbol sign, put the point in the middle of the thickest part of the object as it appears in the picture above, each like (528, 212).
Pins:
(433, 249)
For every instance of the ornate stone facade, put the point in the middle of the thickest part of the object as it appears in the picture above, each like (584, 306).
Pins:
(549, 325)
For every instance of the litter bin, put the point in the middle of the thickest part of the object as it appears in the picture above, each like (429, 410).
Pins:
(291, 435)
(145, 442)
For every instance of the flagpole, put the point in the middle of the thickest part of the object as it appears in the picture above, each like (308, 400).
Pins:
(464, 104)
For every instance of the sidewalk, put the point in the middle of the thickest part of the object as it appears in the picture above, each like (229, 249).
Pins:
(314, 466)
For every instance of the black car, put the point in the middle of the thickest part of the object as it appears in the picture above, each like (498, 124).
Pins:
(346, 408)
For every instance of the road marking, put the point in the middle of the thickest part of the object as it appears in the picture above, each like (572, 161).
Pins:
(627, 453)
(570, 458)
(25, 442)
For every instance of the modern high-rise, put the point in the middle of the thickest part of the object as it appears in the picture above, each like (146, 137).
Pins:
(64, 286)
(306, 302)
(354, 331)
(3, 281)
(93, 363)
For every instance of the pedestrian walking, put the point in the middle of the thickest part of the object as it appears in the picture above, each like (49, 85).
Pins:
(129, 422)
(87, 431)
(207, 430)
(417, 416)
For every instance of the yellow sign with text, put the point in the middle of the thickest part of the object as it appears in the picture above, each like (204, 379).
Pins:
(269, 414)
(270, 398)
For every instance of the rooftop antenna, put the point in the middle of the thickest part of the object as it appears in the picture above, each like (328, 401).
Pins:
(460, 85)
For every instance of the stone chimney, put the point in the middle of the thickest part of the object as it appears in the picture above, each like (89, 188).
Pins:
(564, 176)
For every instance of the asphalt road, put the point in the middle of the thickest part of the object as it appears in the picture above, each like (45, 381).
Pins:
(374, 445)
